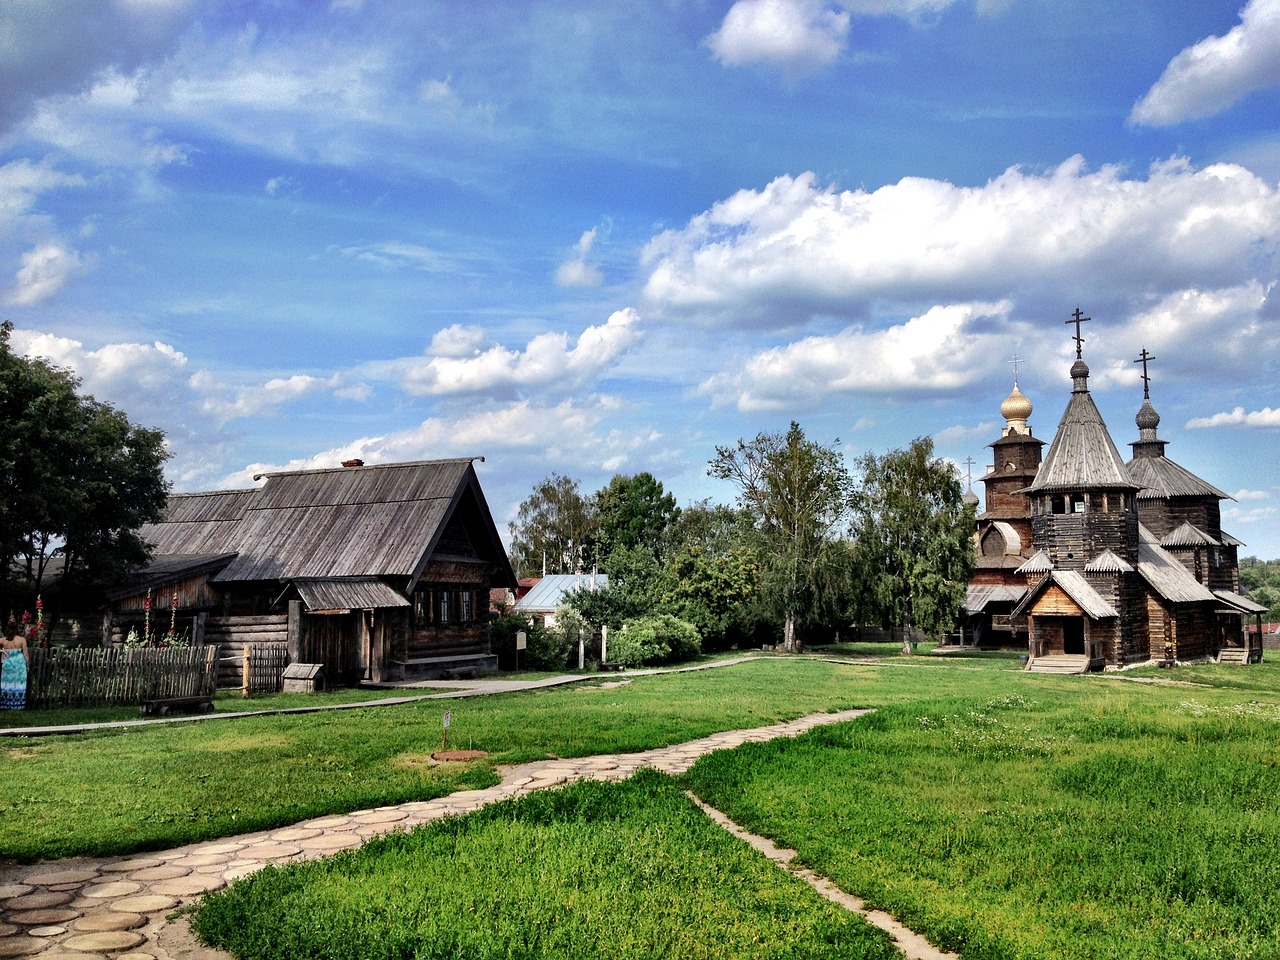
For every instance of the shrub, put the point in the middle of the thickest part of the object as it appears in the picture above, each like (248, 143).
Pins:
(660, 638)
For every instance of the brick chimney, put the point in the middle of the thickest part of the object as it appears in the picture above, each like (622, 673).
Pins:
(353, 463)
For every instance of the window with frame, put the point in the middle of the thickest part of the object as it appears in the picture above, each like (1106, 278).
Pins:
(445, 604)
(465, 597)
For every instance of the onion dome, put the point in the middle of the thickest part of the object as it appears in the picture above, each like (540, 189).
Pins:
(1147, 418)
(1016, 407)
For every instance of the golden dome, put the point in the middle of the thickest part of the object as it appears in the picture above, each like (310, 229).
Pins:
(1016, 407)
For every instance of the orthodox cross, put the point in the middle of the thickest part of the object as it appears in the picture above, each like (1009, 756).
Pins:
(969, 463)
(1015, 361)
(1078, 318)
(1144, 358)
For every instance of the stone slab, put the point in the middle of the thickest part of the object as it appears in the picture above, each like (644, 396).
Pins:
(110, 920)
(107, 940)
(8, 890)
(188, 886)
(165, 871)
(144, 903)
(51, 877)
(38, 901)
(40, 918)
(112, 889)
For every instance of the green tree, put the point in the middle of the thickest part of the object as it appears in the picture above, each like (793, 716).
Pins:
(714, 574)
(554, 530)
(797, 492)
(633, 512)
(79, 480)
(914, 537)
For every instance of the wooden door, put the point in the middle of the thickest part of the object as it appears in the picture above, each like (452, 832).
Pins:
(1073, 635)
(330, 638)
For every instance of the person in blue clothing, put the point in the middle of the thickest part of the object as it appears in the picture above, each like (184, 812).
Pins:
(13, 668)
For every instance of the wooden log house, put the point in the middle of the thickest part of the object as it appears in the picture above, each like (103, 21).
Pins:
(378, 572)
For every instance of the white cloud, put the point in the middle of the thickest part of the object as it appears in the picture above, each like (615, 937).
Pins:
(397, 255)
(550, 361)
(1256, 515)
(569, 428)
(44, 271)
(458, 341)
(938, 351)
(577, 272)
(1210, 76)
(793, 250)
(798, 37)
(1252, 495)
(1266, 418)
(50, 48)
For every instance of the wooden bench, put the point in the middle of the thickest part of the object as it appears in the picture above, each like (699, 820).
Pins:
(613, 666)
(162, 706)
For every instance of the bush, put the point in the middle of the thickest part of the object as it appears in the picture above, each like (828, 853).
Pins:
(660, 638)
(502, 639)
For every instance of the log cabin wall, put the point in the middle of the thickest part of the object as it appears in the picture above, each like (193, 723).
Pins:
(1073, 539)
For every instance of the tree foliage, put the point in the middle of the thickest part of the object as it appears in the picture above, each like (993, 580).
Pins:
(914, 537)
(633, 512)
(797, 492)
(554, 529)
(1260, 579)
(79, 479)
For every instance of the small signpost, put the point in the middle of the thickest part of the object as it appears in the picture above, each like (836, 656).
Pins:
(448, 718)
(522, 644)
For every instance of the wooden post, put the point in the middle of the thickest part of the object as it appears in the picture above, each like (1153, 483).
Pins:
(293, 631)
(604, 644)
(106, 628)
(244, 676)
(197, 628)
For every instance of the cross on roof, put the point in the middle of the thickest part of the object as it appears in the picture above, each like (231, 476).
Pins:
(1144, 358)
(969, 463)
(1078, 318)
(1015, 361)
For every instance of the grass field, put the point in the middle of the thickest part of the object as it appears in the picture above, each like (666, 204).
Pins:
(1005, 815)
(166, 785)
(1093, 819)
(631, 870)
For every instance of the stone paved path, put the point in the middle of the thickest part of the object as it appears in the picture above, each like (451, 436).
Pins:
(116, 908)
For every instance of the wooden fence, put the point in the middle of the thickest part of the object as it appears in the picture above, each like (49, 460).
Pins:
(96, 676)
(261, 667)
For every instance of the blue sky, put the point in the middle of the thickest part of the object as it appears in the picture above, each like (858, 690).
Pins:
(596, 238)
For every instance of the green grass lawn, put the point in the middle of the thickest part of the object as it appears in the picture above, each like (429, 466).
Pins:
(615, 872)
(165, 785)
(1065, 817)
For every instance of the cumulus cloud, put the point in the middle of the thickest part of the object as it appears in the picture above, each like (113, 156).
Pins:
(44, 271)
(568, 428)
(940, 350)
(550, 361)
(1208, 77)
(798, 37)
(795, 249)
(458, 341)
(1252, 495)
(1266, 418)
(577, 272)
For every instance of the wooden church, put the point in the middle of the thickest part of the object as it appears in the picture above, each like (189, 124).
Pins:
(1094, 562)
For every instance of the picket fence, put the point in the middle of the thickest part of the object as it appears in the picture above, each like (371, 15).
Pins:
(96, 676)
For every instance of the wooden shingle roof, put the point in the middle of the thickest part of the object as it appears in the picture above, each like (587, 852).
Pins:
(377, 521)
(1164, 574)
(1163, 479)
(1082, 455)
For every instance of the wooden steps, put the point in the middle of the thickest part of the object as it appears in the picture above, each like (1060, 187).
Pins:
(1233, 655)
(1062, 664)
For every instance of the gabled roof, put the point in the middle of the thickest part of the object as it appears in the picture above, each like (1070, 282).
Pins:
(348, 593)
(1075, 586)
(1163, 479)
(1108, 562)
(1187, 535)
(1082, 455)
(979, 596)
(377, 521)
(1164, 574)
(199, 523)
(1038, 562)
(551, 591)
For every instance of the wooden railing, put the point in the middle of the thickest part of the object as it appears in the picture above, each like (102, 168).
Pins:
(94, 676)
